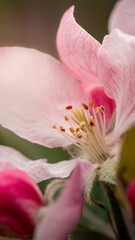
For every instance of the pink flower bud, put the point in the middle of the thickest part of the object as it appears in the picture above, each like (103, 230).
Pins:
(20, 200)
(131, 195)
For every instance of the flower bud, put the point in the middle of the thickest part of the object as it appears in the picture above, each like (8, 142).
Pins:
(131, 195)
(20, 200)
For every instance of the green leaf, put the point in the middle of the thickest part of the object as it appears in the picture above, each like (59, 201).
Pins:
(82, 232)
(126, 169)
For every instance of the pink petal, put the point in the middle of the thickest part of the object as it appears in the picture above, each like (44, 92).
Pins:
(123, 17)
(117, 72)
(77, 49)
(35, 90)
(98, 98)
(65, 213)
(20, 201)
(38, 170)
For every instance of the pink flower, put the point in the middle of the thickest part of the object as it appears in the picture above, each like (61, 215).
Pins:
(20, 201)
(41, 91)
(131, 195)
(123, 17)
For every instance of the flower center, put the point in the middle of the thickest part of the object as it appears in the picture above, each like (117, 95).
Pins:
(86, 130)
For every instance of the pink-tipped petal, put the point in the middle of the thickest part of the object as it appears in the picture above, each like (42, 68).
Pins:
(123, 17)
(38, 170)
(77, 49)
(117, 72)
(20, 201)
(65, 213)
(35, 89)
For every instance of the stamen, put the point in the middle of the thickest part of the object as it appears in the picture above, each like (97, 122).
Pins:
(92, 124)
(69, 107)
(76, 129)
(91, 104)
(82, 124)
(102, 108)
(85, 106)
(62, 129)
(71, 130)
(78, 135)
(66, 118)
(87, 131)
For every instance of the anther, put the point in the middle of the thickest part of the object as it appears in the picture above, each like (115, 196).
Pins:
(76, 129)
(71, 130)
(97, 109)
(92, 124)
(54, 126)
(66, 118)
(69, 107)
(78, 135)
(85, 106)
(91, 104)
(90, 118)
(102, 108)
(82, 124)
(62, 129)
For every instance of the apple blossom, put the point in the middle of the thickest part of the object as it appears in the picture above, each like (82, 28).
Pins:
(47, 105)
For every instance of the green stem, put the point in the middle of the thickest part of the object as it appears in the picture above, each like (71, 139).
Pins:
(116, 213)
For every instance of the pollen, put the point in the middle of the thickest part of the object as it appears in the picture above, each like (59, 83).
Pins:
(78, 135)
(54, 126)
(69, 107)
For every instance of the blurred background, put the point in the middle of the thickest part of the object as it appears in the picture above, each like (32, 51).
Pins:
(33, 24)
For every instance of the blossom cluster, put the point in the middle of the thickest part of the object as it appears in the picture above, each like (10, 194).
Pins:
(85, 103)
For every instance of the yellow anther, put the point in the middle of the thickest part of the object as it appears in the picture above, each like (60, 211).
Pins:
(90, 118)
(97, 109)
(66, 118)
(82, 124)
(76, 129)
(54, 126)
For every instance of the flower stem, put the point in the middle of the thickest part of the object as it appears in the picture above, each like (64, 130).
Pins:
(122, 231)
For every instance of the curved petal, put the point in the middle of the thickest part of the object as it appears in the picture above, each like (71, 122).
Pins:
(65, 213)
(35, 88)
(77, 49)
(123, 17)
(117, 72)
(39, 170)
(98, 98)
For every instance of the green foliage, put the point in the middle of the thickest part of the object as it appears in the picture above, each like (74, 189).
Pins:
(82, 232)
(126, 169)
